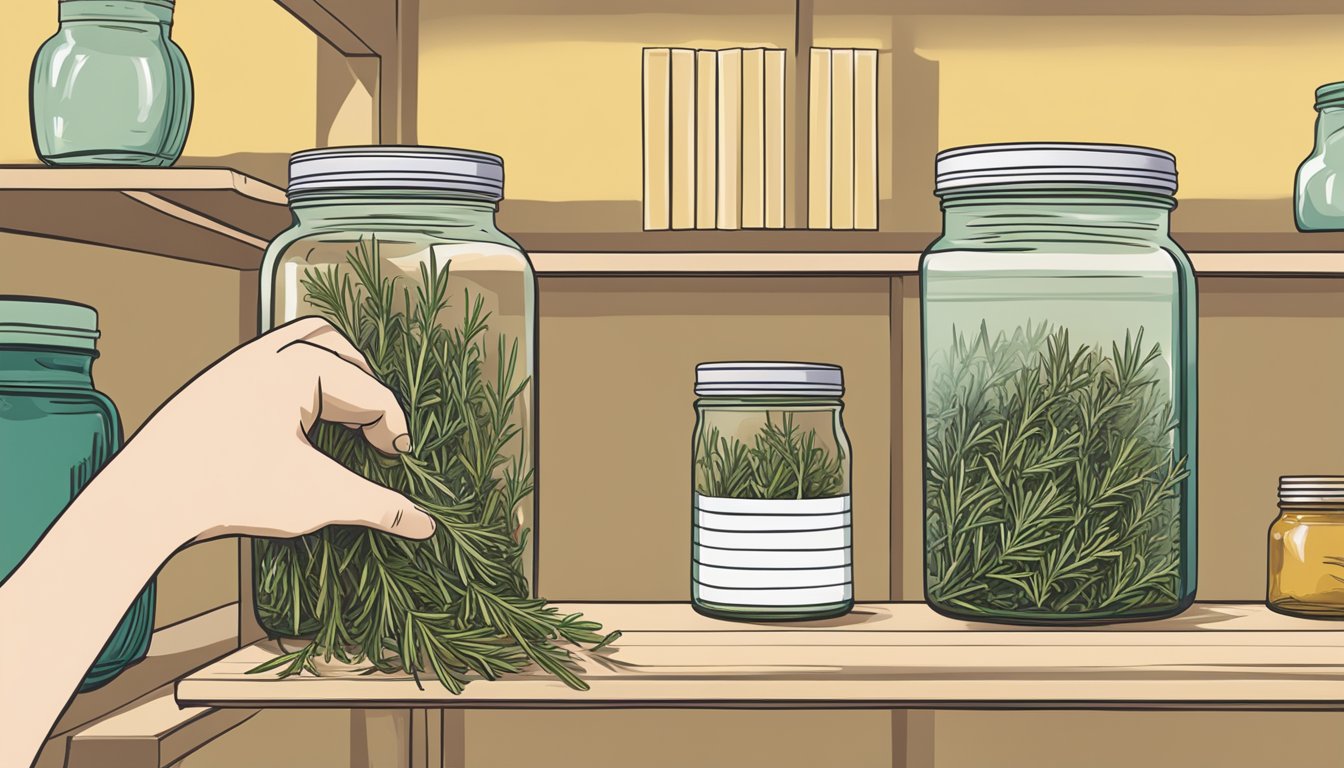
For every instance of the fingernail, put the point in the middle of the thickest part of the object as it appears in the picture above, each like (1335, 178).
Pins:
(402, 443)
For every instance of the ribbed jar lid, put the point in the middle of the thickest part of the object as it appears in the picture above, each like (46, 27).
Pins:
(1050, 163)
(754, 378)
(441, 169)
(1312, 489)
(32, 321)
(1330, 95)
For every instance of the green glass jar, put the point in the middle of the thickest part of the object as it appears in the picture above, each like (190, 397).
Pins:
(397, 247)
(770, 512)
(56, 432)
(1059, 388)
(111, 87)
(1318, 200)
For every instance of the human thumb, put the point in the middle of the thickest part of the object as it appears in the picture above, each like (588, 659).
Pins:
(354, 500)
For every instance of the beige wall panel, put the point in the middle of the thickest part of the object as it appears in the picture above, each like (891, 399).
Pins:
(617, 368)
(1129, 739)
(284, 738)
(681, 738)
(162, 321)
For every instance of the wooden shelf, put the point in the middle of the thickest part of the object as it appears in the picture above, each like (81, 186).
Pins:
(208, 215)
(153, 732)
(1215, 656)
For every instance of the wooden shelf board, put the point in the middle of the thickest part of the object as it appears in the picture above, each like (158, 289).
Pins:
(881, 655)
(153, 732)
(208, 215)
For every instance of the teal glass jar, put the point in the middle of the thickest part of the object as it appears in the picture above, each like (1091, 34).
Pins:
(111, 87)
(1318, 198)
(56, 432)
(772, 536)
(397, 247)
(1059, 350)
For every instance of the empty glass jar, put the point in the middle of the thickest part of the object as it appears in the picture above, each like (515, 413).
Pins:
(1059, 387)
(111, 87)
(1306, 548)
(56, 432)
(771, 493)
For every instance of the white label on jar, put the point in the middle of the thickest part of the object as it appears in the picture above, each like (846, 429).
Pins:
(772, 552)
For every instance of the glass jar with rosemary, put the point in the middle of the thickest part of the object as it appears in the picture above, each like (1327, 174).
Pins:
(1059, 388)
(771, 536)
(397, 247)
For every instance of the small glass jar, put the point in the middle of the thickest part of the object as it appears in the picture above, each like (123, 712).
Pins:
(56, 432)
(771, 528)
(1318, 199)
(397, 247)
(1306, 548)
(111, 87)
(1059, 331)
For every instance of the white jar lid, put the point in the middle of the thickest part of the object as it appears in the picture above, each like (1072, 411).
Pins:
(397, 167)
(1311, 489)
(753, 378)
(1067, 163)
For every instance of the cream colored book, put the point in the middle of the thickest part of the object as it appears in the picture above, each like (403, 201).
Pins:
(729, 188)
(865, 139)
(753, 138)
(706, 138)
(819, 141)
(774, 139)
(657, 130)
(683, 139)
(842, 138)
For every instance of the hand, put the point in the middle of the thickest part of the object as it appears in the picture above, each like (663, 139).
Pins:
(231, 448)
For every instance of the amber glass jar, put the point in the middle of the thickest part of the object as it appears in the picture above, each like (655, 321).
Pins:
(1306, 548)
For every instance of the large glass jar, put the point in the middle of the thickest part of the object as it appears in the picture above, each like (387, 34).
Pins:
(1318, 202)
(1059, 388)
(771, 529)
(397, 247)
(1306, 548)
(111, 87)
(56, 432)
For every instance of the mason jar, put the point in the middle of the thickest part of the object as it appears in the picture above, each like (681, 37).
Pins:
(1318, 200)
(1059, 388)
(771, 526)
(111, 87)
(1306, 548)
(397, 247)
(56, 432)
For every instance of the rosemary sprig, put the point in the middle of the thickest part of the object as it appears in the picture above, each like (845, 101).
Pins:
(783, 462)
(1052, 484)
(457, 603)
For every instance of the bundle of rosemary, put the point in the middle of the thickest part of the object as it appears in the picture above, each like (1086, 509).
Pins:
(1052, 484)
(783, 462)
(459, 602)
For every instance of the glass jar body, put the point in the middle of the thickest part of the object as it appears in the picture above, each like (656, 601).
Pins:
(1059, 409)
(1318, 201)
(56, 432)
(1306, 561)
(442, 305)
(111, 87)
(771, 519)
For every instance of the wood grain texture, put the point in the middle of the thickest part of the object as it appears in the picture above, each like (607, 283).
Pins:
(881, 655)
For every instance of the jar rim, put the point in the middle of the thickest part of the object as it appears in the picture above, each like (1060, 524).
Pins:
(402, 167)
(756, 378)
(1325, 490)
(35, 321)
(1330, 95)
(1123, 166)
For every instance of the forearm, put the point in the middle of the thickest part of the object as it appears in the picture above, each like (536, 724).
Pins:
(69, 594)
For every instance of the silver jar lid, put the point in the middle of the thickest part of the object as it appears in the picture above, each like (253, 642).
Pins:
(753, 378)
(1311, 489)
(1046, 163)
(397, 167)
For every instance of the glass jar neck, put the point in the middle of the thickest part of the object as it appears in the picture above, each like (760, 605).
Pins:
(1026, 213)
(124, 11)
(1329, 121)
(46, 367)
(396, 210)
